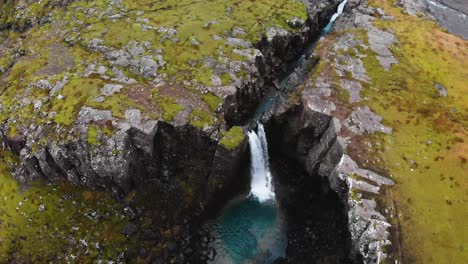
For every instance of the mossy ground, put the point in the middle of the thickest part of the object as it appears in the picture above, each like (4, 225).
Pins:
(207, 24)
(426, 153)
(72, 217)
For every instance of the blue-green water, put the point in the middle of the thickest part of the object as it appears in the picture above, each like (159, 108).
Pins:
(249, 231)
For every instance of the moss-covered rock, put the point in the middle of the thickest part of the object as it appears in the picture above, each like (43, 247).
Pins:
(424, 151)
(233, 138)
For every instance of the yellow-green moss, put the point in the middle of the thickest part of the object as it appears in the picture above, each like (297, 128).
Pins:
(212, 101)
(75, 93)
(184, 60)
(225, 79)
(426, 153)
(169, 107)
(93, 133)
(233, 138)
(200, 118)
(29, 235)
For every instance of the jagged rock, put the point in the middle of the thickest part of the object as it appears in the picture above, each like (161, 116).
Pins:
(110, 89)
(88, 114)
(237, 42)
(380, 42)
(363, 120)
(414, 7)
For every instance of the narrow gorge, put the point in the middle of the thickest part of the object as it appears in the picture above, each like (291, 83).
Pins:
(229, 131)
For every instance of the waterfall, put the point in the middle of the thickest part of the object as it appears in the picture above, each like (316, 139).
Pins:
(261, 186)
(341, 6)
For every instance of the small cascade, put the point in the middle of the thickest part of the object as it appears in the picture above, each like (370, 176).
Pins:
(261, 185)
(328, 28)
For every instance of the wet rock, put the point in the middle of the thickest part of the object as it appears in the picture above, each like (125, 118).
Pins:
(129, 212)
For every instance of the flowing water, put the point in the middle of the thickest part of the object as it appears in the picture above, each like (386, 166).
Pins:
(250, 228)
(329, 26)
(261, 187)
(300, 66)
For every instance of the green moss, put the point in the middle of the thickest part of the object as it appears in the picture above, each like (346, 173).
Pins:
(340, 93)
(93, 133)
(29, 235)
(108, 130)
(77, 92)
(225, 79)
(355, 195)
(233, 138)
(204, 75)
(212, 101)
(169, 107)
(200, 118)
(178, 50)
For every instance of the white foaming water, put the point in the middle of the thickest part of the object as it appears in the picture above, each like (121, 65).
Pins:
(335, 16)
(339, 11)
(260, 185)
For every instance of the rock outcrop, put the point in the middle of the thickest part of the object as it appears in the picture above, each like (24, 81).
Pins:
(117, 118)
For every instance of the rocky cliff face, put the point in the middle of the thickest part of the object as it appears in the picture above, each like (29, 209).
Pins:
(317, 185)
(110, 114)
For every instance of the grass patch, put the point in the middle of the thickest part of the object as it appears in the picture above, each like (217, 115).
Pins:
(427, 152)
(28, 234)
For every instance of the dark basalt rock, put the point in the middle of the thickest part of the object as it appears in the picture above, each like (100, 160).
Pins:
(279, 51)
(303, 156)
